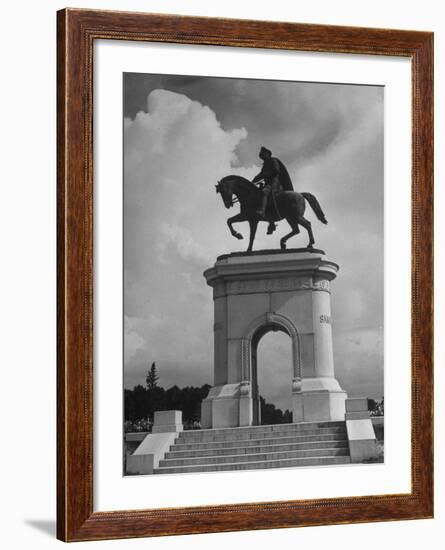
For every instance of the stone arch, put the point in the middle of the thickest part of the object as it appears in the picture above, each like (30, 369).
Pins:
(264, 323)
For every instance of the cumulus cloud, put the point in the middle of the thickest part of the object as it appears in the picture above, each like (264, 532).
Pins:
(174, 155)
(178, 142)
(133, 341)
(359, 367)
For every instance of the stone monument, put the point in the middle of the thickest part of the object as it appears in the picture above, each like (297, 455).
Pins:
(271, 290)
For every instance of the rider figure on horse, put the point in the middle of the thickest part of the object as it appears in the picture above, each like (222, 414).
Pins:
(276, 178)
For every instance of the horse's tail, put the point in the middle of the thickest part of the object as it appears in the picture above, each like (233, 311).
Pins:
(315, 205)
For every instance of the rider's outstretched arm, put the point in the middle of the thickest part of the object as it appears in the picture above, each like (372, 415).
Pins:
(258, 177)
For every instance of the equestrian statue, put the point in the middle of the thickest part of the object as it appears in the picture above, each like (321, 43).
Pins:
(273, 200)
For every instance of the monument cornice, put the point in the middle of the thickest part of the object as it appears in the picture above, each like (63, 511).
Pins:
(297, 265)
(271, 252)
(233, 286)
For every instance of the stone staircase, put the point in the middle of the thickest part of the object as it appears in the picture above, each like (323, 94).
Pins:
(253, 447)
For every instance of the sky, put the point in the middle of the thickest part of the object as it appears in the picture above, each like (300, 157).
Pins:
(181, 135)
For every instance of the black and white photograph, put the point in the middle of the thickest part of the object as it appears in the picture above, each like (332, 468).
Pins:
(253, 274)
(221, 235)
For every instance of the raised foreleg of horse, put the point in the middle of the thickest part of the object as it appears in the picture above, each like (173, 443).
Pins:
(234, 219)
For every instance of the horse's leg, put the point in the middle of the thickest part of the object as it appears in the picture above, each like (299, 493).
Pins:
(295, 231)
(271, 228)
(308, 226)
(253, 227)
(234, 219)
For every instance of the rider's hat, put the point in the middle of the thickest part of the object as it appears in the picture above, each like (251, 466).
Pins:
(266, 150)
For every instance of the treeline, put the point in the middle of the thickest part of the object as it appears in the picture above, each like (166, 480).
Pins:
(271, 415)
(376, 408)
(140, 403)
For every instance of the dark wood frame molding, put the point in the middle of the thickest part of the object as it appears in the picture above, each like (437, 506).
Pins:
(77, 30)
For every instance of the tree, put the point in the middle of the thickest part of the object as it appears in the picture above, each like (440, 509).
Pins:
(376, 408)
(372, 404)
(271, 415)
(141, 403)
(152, 377)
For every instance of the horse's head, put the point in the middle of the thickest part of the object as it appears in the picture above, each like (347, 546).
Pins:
(225, 188)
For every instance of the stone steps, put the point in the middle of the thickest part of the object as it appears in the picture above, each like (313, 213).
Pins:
(254, 449)
(253, 457)
(263, 441)
(281, 463)
(274, 427)
(258, 435)
(252, 432)
(277, 446)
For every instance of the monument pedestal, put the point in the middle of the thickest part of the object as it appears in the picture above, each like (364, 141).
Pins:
(271, 290)
(222, 407)
(316, 399)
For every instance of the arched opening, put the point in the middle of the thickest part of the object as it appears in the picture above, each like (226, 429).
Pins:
(272, 373)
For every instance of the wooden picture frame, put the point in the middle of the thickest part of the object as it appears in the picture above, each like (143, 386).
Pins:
(77, 31)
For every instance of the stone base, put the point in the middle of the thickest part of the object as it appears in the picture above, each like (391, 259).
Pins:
(167, 421)
(167, 425)
(315, 399)
(227, 406)
(361, 435)
(147, 456)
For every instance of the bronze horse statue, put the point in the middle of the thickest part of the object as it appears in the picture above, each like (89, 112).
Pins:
(285, 204)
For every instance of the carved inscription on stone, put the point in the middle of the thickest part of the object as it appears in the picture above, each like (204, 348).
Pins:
(268, 285)
(325, 319)
(322, 285)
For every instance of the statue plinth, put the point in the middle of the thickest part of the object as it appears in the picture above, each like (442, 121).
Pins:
(258, 292)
